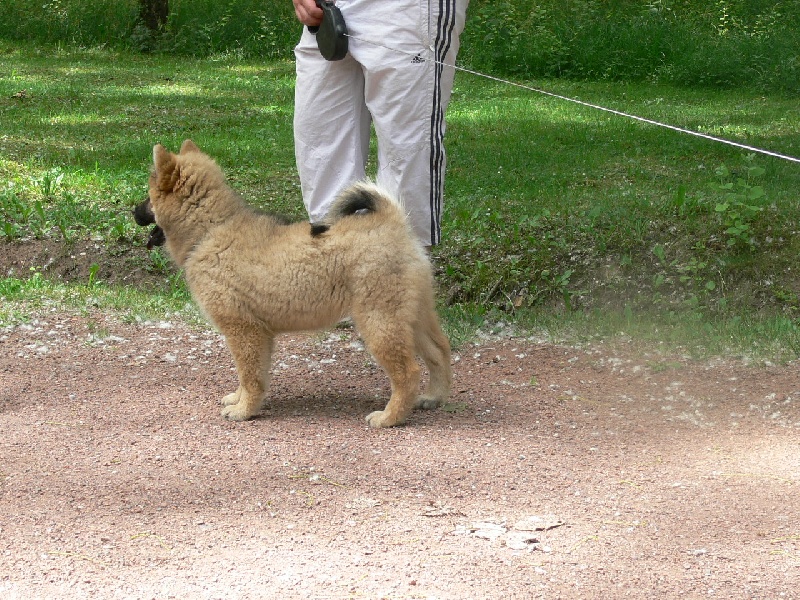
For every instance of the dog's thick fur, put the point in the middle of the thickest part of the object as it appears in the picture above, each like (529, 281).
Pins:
(255, 275)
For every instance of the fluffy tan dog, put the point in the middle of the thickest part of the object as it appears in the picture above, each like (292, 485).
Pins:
(255, 275)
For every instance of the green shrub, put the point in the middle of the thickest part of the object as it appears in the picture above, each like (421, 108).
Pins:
(96, 22)
(252, 27)
(727, 43)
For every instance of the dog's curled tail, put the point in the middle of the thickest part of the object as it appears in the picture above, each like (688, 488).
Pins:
(359, 198)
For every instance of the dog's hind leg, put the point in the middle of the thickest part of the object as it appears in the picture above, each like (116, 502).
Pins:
(251, 348)
(392, 346)
(434, 348)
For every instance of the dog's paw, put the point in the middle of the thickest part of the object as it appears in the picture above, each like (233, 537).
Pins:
(236, 412)
(427, 403)
(231, 399)
(379, 418)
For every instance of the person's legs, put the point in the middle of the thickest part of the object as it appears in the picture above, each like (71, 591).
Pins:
(331, 125)
(446, 22)
(407, 95)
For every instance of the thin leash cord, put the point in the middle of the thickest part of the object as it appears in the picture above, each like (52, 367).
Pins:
(588, 104)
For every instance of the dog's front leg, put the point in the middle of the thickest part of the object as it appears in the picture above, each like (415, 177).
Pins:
(251, 348)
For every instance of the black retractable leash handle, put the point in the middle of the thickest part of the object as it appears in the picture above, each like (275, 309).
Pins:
(332, 32)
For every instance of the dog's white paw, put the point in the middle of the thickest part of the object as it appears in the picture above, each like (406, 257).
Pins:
(231, 399)
(236, 412)
(379, 418)
(427, 403)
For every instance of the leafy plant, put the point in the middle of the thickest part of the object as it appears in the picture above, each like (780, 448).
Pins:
(560, 283)
(49, 182)
(159, 261)
(93, 269)
(741, 203)
(11, 231)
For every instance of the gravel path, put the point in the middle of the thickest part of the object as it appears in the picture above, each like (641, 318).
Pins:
(553, 473)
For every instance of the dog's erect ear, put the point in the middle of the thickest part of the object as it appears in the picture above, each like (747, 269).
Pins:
(165, 168)
(189, 146)
(161, 158)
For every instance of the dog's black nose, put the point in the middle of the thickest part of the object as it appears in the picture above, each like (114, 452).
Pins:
(143, 213)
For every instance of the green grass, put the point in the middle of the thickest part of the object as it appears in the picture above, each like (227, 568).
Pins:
(96, 115)
(558, 218)
(37, 294)
(750, 338)
(581, 200)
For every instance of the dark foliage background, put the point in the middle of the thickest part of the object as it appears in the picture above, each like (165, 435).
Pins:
(727, 43)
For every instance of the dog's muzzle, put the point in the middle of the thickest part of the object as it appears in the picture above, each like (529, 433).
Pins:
(143, 215)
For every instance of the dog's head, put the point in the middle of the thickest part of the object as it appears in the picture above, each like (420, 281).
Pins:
(168, 178)
(143, 213)
(187, 195)
(188, 176)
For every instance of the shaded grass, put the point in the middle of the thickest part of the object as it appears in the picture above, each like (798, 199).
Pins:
(732, 44)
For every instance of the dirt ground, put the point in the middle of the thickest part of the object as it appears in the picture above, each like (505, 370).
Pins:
(553, 472)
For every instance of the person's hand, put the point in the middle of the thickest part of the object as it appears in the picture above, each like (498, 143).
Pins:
(308, 13)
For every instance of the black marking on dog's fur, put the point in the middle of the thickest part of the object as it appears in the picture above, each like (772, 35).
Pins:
(356, 200)
(318, 229)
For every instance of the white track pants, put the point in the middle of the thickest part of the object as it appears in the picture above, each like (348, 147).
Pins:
(398, 88)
